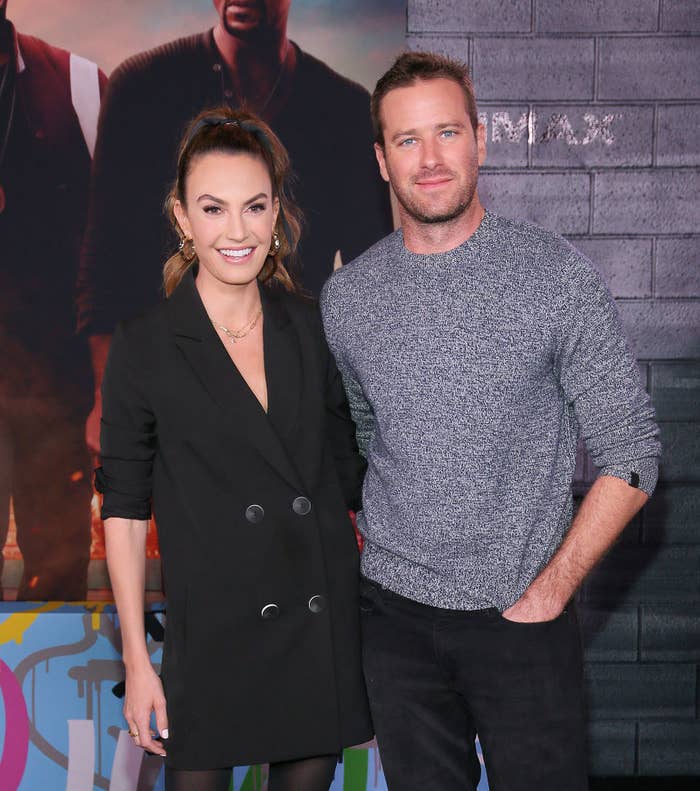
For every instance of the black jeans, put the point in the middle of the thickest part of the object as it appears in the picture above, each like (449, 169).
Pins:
(438, 677)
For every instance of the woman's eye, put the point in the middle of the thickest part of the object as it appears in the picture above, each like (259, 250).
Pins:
(256, 208)
(212, 209)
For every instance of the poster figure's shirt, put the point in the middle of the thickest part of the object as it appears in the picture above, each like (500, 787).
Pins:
(324, 122)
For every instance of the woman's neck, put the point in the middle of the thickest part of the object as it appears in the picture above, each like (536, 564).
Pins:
(230, 305)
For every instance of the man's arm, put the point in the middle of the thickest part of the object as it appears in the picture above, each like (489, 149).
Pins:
(609, 505)
(600, 381)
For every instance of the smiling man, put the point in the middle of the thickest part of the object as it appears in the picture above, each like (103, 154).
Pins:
(474, 349)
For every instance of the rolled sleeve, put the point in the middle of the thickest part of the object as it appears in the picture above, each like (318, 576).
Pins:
(127, 437)
(601, 382)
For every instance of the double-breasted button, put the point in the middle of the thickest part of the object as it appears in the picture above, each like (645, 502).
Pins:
(317, 604)
(255, 513)
(270, 611)
(301, 505)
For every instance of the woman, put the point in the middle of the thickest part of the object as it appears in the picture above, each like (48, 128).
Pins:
(224, 407)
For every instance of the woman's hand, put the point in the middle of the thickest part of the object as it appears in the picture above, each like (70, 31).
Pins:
(144, 694)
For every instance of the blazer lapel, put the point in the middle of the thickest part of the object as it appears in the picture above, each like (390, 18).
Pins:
(201, 347)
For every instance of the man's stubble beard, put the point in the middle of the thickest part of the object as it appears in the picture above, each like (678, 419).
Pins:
(421, 213)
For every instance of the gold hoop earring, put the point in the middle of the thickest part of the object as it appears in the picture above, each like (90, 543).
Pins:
(276, 244)
(188, 254)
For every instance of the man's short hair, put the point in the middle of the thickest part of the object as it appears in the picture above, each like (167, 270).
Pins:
(410, 67)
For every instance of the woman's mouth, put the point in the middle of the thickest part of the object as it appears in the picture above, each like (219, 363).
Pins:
(236, 255)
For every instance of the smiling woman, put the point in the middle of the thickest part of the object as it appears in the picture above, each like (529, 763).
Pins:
(224, 409)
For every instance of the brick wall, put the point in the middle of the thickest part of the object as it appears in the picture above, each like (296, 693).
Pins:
(592, 110)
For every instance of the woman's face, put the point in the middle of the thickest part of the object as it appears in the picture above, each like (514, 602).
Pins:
(230, 215)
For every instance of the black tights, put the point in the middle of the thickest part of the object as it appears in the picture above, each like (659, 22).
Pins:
(307, 774)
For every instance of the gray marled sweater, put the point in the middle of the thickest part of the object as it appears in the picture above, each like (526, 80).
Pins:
(470, 374)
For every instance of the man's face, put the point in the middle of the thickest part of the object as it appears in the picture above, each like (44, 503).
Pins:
(431, 156)
(246, 17)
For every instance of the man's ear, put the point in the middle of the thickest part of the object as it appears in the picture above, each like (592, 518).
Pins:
(379, 153)
(481, 143)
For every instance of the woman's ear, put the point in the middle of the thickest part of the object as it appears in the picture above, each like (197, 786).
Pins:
(181, 217)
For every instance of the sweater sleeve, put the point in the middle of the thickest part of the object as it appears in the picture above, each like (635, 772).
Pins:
(601, 382)
(127, 437)
(360, 409)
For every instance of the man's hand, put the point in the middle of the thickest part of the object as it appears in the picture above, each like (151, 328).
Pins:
(534, 607)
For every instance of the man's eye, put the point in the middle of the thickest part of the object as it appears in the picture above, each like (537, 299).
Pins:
(448, 133)
(212, 209)
(407, 142)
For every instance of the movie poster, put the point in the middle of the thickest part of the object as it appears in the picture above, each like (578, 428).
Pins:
(87, 152)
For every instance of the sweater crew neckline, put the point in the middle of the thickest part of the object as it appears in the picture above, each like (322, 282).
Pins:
(472, 242)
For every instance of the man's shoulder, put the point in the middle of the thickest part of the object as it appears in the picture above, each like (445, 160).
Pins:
(550, 252)
(322, 77)
(372, 261)
(164, 58)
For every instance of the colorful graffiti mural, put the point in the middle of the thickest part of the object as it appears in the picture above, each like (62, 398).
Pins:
(61, 725)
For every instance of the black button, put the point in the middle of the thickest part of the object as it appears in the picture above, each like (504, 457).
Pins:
(228, 93)
(216, 67)
(317, 604)
(301, 506)
(270, 611)
(255, 513)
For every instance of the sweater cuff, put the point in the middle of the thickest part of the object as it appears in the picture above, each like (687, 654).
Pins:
(639, 473)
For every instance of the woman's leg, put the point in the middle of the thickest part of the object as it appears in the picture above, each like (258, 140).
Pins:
(197, 780)
(307, 774)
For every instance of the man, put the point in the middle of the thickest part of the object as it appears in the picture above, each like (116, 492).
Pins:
(49, 102)
(247, 59)
(473, 348)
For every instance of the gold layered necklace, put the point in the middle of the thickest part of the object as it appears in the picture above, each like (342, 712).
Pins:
(246, 329)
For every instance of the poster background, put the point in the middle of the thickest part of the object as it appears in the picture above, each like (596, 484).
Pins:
(357, 39)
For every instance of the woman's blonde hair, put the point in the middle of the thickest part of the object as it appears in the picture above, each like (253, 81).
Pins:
(236, 131)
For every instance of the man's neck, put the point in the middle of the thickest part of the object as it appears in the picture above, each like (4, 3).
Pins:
(254, 66)
(429, 238)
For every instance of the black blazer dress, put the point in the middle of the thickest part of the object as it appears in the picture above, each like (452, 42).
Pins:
(261, 660)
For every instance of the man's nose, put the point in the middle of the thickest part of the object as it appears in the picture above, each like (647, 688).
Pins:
(430, 153)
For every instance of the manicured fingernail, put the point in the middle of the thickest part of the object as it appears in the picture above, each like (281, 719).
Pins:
(164, 733)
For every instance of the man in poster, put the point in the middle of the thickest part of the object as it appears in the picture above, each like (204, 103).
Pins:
(49, 101)
(247, 59)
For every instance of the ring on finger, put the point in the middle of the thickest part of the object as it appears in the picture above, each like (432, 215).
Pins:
(134, 734)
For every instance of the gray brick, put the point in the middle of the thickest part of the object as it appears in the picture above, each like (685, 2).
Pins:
(649, 68)
(596, 16)
(609, 635)
(506, 135)
(677, 143)
(641, 691)
(676, 391)
(474, 16)
(680, 16)
(559, 201)
(670, 634)
(611, 748)
(672, 516)
(662, 330)
(544, 69)
(649, 574)
(457, 48)
(625, 264)
(600, 136)
(647, 201)
(678, 268)
(669, 749)
(681, 452)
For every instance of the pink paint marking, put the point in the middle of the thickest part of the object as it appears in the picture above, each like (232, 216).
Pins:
(16, 747)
